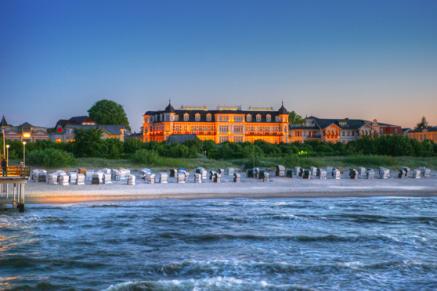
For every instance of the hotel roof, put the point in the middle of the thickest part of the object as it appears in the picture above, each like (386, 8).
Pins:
(3, 122)
(204, 111)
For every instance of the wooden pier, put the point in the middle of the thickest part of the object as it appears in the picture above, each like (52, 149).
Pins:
(12, 188)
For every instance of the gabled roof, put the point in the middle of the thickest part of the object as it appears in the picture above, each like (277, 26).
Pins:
(344, 123)
(80, 119)
(75, 120)
(111, 129)
(25, 124)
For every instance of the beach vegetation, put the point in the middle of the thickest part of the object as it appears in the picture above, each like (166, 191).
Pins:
(50, 158)
(144, 156)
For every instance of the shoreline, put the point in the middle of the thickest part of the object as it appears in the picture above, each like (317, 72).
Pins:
(38, 193)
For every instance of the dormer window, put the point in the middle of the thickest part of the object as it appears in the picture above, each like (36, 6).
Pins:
(268, 118)
(258, 117)
(248, 118)
(208, 117)
(197, 116)
(186, 116)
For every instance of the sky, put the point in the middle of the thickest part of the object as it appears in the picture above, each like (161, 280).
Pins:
(358, 59)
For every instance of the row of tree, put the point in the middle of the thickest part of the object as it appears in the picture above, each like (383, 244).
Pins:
(89, 144)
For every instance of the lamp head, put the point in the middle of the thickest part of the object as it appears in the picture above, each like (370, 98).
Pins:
(24, 142)
(7, 146)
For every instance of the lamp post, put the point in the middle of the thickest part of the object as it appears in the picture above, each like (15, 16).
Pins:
(7, 155)
(4, 142)
(24, 153)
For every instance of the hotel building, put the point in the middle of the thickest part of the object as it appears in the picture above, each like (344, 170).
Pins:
(224, 124)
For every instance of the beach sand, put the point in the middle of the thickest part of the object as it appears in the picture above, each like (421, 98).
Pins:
(248, 188)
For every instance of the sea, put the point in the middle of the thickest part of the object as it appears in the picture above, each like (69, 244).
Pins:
(379, 243)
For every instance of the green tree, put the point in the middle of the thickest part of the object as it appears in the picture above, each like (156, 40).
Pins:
(422, 124)
(108, 112)
(88, 143)
(294, 118)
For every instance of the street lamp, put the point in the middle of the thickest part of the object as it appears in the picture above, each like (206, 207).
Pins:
(7, 155)
(24, 153)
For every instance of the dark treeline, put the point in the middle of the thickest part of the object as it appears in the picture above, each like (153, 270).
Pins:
(89, 144)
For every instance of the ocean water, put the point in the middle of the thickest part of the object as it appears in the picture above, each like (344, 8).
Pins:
(241, 244)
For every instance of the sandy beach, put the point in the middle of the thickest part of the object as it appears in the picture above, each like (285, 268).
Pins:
(248, 188)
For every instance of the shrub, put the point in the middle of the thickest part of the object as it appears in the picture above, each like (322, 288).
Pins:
(145, 157)
(131, 145)
(112, 148)
(50, 158)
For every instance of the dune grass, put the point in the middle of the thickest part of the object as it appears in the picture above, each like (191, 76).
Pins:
(289, 161)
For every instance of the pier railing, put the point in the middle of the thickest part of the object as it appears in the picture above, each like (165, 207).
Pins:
(17, 171)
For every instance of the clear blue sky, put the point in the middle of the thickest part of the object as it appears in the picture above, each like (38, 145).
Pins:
(363, 59)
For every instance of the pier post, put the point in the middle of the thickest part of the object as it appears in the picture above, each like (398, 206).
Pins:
(20, 204)
(12, 190)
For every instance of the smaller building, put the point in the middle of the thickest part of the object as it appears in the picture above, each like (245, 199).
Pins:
(339, 130)
(65, 129)
(429, 133)
(23, 132)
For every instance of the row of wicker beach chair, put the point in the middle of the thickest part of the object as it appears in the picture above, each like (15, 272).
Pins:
(202, 175)
(335, 173)
(124, 176)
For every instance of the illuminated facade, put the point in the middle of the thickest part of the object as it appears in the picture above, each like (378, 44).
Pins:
(225, 124)
(429, 133)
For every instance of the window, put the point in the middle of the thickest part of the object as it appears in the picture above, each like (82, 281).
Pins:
(176, 117)
(238, 129)
(224, 118)
(208, 117)
(197, 116)
(186, 117)
(238, 118)
(248, 118)
(277, 119)
(258, 117)
(223, 129)
(268, 118)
